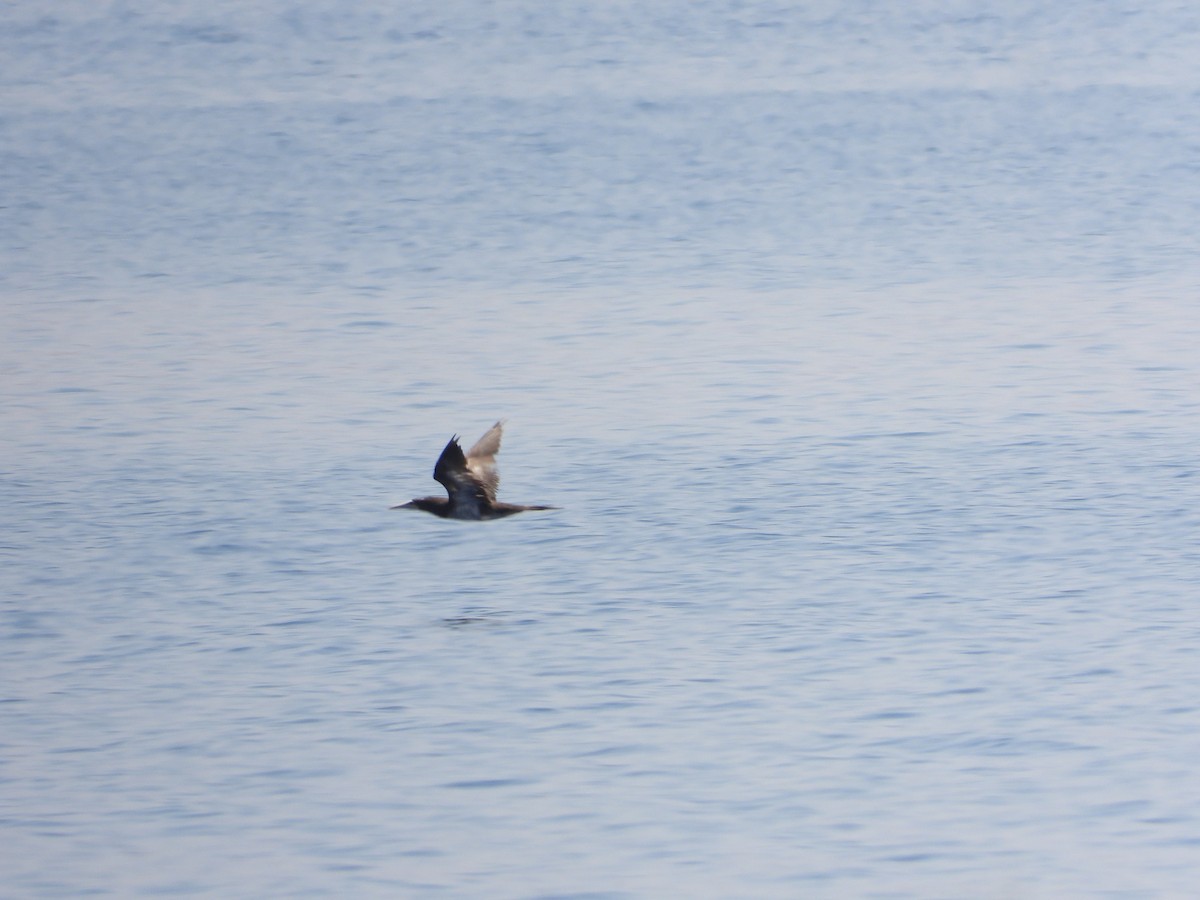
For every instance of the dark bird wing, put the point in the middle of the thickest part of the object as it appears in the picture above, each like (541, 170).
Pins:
(470, 479)
(467, 495)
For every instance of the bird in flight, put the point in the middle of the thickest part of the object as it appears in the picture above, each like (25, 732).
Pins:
(470, 480)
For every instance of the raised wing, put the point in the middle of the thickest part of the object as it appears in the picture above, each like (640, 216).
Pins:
(481, 460)
(467, 493)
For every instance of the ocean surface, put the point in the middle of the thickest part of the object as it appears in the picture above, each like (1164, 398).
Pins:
(857, 342)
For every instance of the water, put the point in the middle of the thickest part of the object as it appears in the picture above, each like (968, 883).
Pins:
(857, 346)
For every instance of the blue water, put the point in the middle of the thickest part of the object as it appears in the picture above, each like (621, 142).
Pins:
(856, 343)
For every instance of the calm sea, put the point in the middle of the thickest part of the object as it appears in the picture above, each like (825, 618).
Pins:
(857, 344)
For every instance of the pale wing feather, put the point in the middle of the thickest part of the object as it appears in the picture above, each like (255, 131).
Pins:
(481, 460)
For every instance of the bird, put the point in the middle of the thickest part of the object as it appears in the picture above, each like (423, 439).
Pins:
(470, 480)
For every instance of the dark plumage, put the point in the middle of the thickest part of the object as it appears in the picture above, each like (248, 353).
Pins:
(470, 480)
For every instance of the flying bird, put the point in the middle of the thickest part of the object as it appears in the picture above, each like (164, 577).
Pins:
(470, 481)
